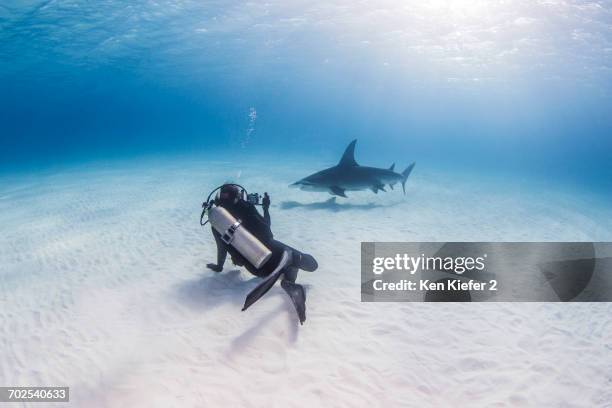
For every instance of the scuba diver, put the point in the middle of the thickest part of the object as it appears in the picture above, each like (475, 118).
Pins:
(241, 231)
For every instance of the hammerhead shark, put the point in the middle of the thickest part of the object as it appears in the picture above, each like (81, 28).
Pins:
(347, 175)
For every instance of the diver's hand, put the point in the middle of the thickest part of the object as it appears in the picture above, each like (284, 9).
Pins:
(214, 267)
(265, 202)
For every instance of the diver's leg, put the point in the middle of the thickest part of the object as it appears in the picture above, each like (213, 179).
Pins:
(298, 297)
(290, 273)
(305, 262)
(295, 291)
(267, 284)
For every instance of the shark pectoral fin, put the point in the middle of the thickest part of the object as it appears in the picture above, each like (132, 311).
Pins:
(378, 186)
(391, 186)
(337, 191)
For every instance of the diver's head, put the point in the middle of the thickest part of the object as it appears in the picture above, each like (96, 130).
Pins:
(228, 194)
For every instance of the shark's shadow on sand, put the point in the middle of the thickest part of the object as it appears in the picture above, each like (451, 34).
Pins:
(331, 205)
(212, 290)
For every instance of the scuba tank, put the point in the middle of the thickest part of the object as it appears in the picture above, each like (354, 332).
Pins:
(234, 234)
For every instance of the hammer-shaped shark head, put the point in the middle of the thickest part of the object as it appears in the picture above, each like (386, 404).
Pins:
(314, 182)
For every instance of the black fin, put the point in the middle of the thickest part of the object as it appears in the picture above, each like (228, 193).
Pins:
(298, 297)
(337, 191)
(392, 168)
(348, 158)
(267, 284)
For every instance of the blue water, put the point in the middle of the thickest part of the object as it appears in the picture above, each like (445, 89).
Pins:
(520, 90)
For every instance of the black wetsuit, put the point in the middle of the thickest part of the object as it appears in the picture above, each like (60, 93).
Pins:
(258, 226)
(294, 260)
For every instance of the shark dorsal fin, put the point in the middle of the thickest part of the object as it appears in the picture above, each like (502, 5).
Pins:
(392, 168)
(348, 158)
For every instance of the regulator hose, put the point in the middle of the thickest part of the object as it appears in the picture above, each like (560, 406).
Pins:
(206, 205)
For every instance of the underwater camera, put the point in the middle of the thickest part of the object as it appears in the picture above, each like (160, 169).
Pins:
(253, 198)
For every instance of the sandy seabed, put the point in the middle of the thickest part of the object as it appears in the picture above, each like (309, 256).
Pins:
(104, 288)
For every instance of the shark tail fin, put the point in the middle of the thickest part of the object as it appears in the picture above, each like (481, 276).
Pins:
(405, 175)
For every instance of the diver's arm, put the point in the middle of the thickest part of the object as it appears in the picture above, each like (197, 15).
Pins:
(254, 216)
(221, 253)
(266, 209)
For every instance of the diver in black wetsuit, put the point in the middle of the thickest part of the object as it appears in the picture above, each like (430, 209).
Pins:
(285, 260)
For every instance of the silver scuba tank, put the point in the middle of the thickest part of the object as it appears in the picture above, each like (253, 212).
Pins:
(234, 234)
